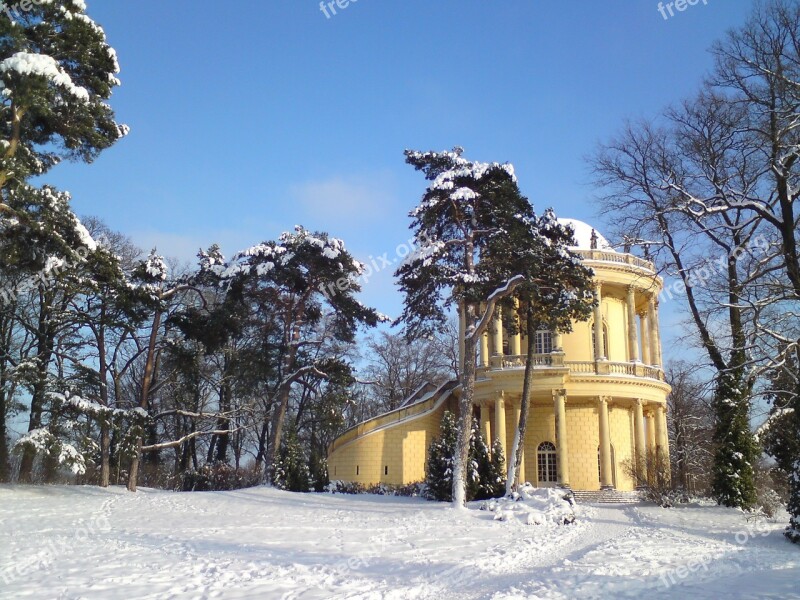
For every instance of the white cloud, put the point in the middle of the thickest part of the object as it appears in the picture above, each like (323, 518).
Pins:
(346, 200)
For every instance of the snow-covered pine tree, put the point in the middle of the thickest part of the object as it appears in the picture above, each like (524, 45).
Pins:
(557, 291)
(736, 450)
(290, 470)
(56, 74)
(486, 473)
(467, 210)
(39, 255)
(300, 280)
(439, 468)
(498, 467)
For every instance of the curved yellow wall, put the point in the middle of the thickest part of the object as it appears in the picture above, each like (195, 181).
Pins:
(392, 448)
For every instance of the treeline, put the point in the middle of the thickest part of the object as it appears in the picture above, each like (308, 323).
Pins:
(131, 371)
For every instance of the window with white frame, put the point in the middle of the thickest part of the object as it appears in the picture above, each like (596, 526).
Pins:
(546, 462)
(544, 342)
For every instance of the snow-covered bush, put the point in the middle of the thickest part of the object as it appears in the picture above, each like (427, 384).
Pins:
(337, 486)
(408, 490)
(41, 441)
(535, 506)
(485, 473)
(290, 471)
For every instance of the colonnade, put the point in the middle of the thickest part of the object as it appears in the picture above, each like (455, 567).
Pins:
(650, 431)
(648, 325)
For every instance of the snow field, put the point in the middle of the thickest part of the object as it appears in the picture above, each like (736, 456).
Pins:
(88, 543)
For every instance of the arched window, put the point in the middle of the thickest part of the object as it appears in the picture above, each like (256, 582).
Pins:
(546, 462)
(605, 340)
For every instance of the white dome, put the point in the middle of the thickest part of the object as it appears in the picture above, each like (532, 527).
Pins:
(583, 235)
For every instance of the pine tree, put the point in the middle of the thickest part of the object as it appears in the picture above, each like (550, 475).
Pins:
(736, 450)
(778, 435)
(486, 476)
(291, 472)
(439, 472)
(466, 213)
(557, 291)
(56, 74)
(498, 471)
(306, 283)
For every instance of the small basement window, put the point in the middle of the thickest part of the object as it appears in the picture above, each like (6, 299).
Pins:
(386, 470)
(357, 469)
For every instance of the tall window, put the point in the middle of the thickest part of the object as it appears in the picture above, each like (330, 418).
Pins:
(605, 340)
(544, 342)
(546, 462)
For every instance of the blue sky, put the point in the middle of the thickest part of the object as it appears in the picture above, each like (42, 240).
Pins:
(248, 117)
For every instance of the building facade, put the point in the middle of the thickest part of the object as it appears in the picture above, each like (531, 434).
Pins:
(598, 401)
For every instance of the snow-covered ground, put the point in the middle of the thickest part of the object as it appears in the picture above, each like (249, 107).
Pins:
(80, 542)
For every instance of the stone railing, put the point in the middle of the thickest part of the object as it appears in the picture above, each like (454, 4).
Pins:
(539, 360)
(576, 367)
(616, 257)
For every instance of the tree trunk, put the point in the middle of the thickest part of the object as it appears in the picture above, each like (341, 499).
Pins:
(514, 466)
(147, 380)
(276, 429)
(5, 464)
(460, 468)
(105, 453)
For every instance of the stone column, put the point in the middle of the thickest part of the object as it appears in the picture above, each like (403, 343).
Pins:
(486, 425)
(517, 410)
(641, 447)
(651, 432)
(633, 338)
(500, 423)
(654, 327)
(645, 323)
(462, 328)
(498, 332)
(562, 448)
(558, 342)
(653, 332)
(598, 324)
(662, 438)
(606, 475)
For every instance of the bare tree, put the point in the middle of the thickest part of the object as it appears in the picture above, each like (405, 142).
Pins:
(690, 427)
(395, 367)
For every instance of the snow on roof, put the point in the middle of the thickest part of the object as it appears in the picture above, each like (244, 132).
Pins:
(583, 235)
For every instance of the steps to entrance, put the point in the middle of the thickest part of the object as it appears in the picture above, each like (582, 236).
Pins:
(607, 497)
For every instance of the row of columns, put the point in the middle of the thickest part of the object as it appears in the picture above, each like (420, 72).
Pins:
(648, 323)
(650, 434)
(648, 320)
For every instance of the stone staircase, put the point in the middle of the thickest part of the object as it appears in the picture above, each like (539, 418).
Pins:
(607, 497)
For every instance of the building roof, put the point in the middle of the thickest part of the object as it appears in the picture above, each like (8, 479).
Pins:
(583, 235)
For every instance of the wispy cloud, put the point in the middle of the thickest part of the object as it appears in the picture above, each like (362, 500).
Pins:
(346, 200)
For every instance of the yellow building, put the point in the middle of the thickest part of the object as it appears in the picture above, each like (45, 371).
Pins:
(598, 401)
